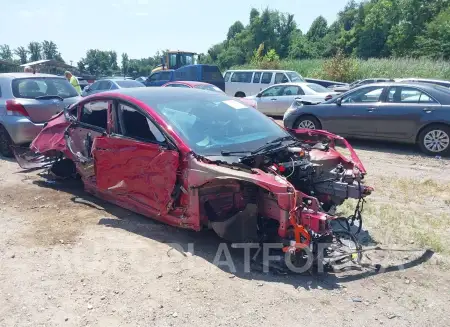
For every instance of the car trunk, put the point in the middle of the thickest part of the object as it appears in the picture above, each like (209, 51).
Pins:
(41, 110)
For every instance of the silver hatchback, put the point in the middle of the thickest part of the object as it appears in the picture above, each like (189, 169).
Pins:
(27, 101)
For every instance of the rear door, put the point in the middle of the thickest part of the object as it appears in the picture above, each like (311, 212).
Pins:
(135, 160)
(401, 114)
(41, 96)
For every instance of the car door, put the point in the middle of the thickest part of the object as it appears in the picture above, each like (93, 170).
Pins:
(353, 115)
(287, 95)
(402, 112)
(153, 79)
(91, 122)
(135, 161)
(267, 101)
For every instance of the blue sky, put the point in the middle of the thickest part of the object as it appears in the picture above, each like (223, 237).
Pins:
(140, 27)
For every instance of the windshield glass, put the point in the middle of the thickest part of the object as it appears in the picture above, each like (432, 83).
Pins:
(212, 122)
(208, 88)
(318, 88)
(128, 83)
(295, 77)
(33, 87)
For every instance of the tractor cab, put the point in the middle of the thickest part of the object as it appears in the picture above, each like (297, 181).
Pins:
(176, 59)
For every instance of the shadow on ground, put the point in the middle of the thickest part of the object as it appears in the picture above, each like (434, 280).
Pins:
(206, 243)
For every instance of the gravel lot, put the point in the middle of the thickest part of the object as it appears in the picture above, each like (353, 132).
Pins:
(68, 259)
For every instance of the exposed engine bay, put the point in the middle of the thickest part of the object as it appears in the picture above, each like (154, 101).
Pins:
(316, 170)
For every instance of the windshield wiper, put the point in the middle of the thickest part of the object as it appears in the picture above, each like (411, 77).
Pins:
(48, 97)
(272, 144)
(268, 146)
(227, 153)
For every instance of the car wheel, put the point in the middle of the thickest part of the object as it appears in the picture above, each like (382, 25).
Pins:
(308, 122)
(240, 95)
(5, 143)
(435, 140)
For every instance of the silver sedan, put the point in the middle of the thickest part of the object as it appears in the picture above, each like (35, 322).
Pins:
(276, 99)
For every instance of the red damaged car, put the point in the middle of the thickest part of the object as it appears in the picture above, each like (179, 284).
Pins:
(197, 159)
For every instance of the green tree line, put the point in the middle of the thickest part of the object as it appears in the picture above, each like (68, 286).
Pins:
(367, 29)
(363, 30)
(32, 52)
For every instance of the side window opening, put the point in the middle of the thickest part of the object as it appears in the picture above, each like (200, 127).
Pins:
(266, 78)
(135, 125)
(95, 113)
(227, 76)
(257, 77)
(280, 78)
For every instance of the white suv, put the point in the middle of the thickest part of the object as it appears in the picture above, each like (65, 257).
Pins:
(242, 83)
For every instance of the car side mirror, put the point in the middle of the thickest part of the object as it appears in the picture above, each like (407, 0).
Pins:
(339, 101)
(259, 95)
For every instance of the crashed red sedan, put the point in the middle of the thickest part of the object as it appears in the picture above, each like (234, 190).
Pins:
(197, 159)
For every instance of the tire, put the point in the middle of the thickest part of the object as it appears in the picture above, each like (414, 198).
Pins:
(5, 143)
(240, 95)
(435, 140)
(307, 120)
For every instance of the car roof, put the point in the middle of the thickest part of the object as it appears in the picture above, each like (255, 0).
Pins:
(27, 75)
(190, 83)
(150, 94)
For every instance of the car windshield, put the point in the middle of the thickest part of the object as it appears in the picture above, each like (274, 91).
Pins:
(129, 83)
(208, 87)
(295, 77)
(34, 87)
(212, 122)
(318, 88)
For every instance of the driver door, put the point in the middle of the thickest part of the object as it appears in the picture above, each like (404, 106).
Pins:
(354, 117)
(135, 162)
(268, 102)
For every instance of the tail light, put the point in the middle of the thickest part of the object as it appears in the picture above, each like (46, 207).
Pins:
(14, 108)
(328, 97)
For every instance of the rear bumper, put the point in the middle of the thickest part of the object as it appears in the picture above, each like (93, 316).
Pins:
(21, 129)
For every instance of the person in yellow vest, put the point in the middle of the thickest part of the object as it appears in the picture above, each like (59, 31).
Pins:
(73, 80)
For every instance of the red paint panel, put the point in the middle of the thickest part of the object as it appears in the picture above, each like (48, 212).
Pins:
(52, 136)
(143, 172)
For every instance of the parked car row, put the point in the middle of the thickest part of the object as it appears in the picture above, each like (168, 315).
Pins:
(409, 112)
(394, 111)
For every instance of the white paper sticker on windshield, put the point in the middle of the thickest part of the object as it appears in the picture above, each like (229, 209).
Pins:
(235, 104)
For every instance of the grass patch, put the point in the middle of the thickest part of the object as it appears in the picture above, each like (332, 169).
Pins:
(389, 68)
(403, 210)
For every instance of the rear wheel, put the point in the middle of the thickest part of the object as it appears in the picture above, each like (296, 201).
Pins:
(308, 122)
(240, 95)
(435, 140)
(5, 143)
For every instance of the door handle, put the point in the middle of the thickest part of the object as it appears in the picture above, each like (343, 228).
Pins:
(273, 99)
(370, 109)
(427, 110)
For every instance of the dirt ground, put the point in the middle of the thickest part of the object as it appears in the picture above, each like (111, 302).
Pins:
(68, 259)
